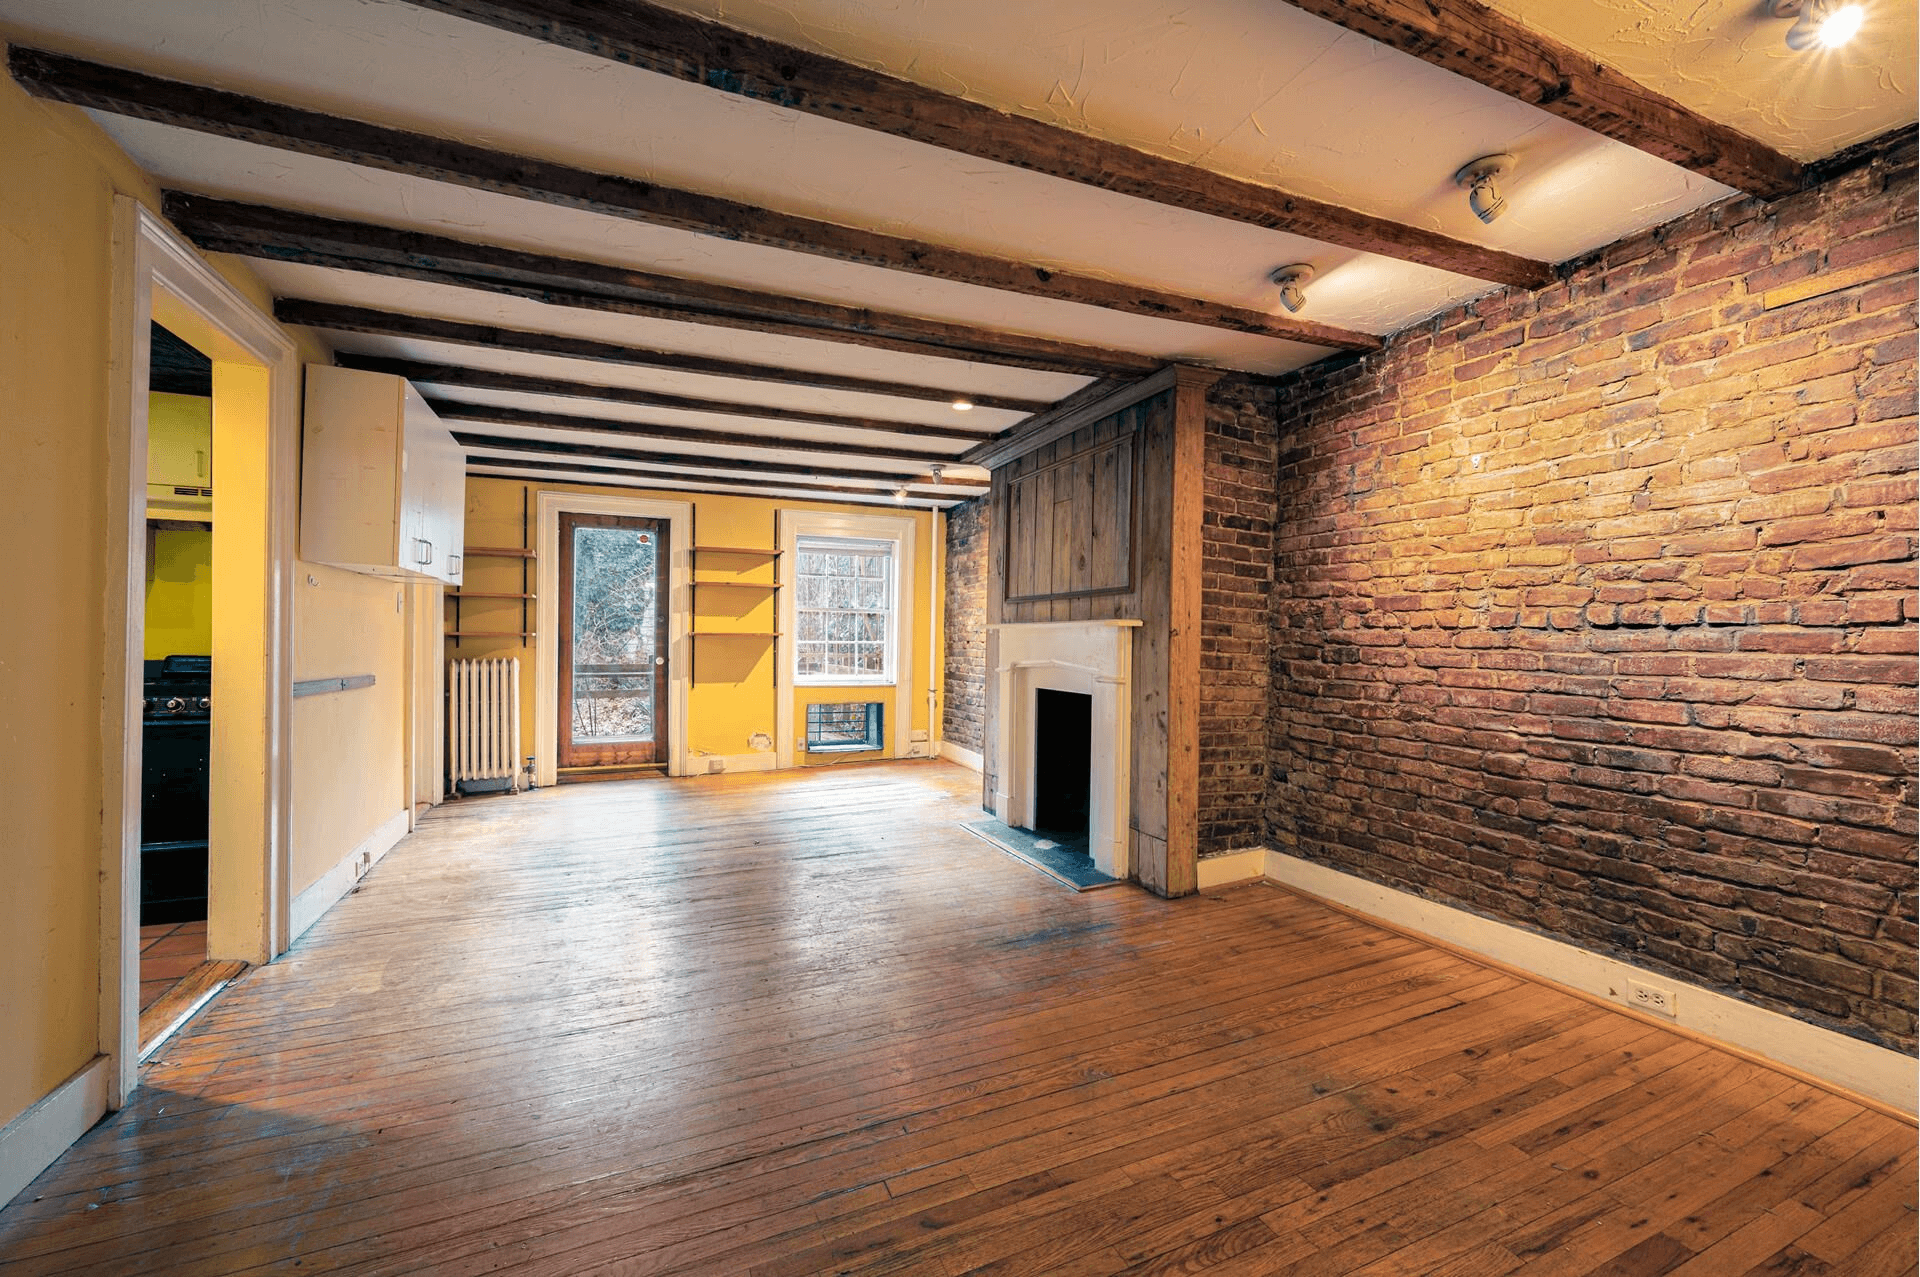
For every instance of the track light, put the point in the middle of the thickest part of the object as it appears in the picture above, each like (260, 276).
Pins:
(900, 496)
(1481, 180)
(1818, 24)
(1293, 281)
(938, 471)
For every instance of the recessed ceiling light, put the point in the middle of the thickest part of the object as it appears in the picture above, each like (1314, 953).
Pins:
(1818, 23)
(963, 405)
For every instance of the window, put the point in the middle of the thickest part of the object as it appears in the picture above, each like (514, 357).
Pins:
(843, 611)
(833, 729)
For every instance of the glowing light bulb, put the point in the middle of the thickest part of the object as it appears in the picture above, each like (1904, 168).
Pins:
(963, 405)
(1842, 25)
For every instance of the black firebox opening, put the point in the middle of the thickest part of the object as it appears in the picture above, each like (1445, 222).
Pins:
(1062, 761)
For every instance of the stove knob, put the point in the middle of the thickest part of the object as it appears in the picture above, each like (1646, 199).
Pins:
(206, 702)
(175, 704)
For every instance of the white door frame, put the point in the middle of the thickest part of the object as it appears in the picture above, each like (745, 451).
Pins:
(157, 275)
(790, 526)
(546, 641)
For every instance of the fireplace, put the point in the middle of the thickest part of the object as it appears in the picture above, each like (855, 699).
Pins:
(1063, 731)
(1062, 763)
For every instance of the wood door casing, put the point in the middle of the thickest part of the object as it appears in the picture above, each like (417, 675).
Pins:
(619, 752)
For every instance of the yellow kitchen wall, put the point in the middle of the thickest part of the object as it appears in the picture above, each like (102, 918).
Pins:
(180, 592)
(732, 697)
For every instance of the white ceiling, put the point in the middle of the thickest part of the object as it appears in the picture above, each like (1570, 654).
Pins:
(1251, 88)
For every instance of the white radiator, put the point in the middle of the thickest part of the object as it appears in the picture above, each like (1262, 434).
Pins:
(483, 724)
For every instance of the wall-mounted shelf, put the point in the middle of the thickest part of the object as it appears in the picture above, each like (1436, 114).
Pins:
(770, 588)
(524, 555)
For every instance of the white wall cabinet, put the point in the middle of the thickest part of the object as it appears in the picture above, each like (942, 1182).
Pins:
(382, 482)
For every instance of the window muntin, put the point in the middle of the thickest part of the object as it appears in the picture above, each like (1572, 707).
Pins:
(843, 611)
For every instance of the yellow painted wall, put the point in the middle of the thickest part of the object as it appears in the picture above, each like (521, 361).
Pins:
(346, 623)
(732, 699)
(180, 593)
(56, 211)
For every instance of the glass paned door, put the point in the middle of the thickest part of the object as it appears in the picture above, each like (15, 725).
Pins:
(613, 641)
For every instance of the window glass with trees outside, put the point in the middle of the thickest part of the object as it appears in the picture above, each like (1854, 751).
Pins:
(843, 611)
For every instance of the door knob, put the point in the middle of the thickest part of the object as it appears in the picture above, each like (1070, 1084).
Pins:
(659, 660)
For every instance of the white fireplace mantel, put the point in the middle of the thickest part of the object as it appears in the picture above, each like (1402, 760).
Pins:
(1093, 658)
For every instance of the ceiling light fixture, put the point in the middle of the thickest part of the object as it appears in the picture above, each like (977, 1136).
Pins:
(1818, 23)
(963, 405)
(1480, 180)
(1293, 281)
(938, 471)
(900, 496)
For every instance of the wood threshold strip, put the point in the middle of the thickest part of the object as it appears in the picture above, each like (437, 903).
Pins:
(1479, 43)
(335, 317)
(290, 128)
(459, 410)
(916, 488)
(170, 1007)
(685, 47)
(743, 465)
(287, 235)
(422, 373)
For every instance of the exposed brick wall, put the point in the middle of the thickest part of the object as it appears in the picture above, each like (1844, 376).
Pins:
(963, 720)
(1237, 567)
(1595, 607)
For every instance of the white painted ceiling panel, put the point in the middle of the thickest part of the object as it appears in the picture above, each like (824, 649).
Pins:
(320, 283)
(241, 170)
(772, 456)
(934, 448)
(981, 421)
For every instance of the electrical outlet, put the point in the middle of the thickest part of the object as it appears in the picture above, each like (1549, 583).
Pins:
(716, 765)
(1647, 997)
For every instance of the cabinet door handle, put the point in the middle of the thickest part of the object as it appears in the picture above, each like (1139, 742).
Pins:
(422, 550)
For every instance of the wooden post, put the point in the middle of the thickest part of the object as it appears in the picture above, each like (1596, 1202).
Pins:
(1183, 636)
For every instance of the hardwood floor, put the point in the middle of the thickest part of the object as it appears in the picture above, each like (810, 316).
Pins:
(804, 1023)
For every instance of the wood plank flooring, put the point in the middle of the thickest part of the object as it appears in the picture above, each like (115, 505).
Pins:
(803, 1023)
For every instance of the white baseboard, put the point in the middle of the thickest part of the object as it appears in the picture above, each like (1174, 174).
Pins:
(310, 904)
(961, 754)
(30, 1143)
(760, 761)
(1232, 866)
(1889, 1077)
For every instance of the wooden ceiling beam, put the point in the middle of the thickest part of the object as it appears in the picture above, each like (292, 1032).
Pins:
(589, 476)
(461, 410)
(289, 128)
(680, 460)
(520, 383)
(335, 317)
(695, 49)
(287, 235)
(1482, 44)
